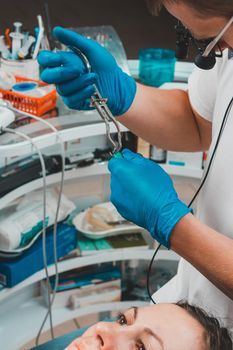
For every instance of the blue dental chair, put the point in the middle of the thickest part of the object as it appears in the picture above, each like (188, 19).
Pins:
(62, 342)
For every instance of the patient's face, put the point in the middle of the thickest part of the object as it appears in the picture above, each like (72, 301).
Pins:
(154, 327)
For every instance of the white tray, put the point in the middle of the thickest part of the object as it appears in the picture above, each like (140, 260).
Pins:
(78, 222)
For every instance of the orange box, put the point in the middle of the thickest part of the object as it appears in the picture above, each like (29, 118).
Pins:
(34, 105)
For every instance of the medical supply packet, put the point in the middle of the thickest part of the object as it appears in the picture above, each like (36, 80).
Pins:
(21, 226)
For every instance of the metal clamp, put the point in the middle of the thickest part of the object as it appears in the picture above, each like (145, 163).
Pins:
(100, 104)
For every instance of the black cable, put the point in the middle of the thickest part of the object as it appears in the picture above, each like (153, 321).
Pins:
(148, 274)
(224, 121)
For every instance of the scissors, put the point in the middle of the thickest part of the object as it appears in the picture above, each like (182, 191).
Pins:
(100, 103)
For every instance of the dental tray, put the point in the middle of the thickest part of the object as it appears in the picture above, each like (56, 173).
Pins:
(102, 221)
(37, 105)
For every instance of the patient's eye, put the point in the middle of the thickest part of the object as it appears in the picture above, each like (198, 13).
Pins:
(121, 319)
(140, 345)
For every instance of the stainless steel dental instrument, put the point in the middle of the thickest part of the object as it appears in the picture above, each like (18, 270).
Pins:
(100, 103)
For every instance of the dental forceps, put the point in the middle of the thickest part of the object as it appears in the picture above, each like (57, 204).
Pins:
(100, 104)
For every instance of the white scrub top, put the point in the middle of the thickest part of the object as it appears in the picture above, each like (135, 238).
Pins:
(210, 93)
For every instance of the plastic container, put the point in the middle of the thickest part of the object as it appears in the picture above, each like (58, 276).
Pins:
(156, 66)
(30, 104)
(24, 68)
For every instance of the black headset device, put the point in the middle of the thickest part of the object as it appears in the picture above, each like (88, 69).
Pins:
(208, 49)
(185, 39)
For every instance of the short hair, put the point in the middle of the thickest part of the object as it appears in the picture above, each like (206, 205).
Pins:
(222, 8)
(217, 337)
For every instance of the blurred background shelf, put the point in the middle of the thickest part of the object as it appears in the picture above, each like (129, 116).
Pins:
(69, 264)
(70, 127)
(92, 170)
(184, 171)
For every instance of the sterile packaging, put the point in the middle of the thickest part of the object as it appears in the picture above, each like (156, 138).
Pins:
(19, 228)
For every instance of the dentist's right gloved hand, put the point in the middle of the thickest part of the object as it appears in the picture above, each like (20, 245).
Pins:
(75, 84)
(144, 194)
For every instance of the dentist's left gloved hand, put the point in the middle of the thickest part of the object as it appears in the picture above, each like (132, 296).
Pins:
(143, 193)
(75, 84)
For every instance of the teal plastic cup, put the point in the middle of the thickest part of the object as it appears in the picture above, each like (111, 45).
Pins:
(156, 66)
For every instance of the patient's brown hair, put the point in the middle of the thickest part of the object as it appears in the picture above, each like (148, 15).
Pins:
(216, 337)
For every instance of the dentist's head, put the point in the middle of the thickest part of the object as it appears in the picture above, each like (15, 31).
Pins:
(204, 18)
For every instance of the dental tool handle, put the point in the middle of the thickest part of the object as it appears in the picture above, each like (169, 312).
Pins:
(39, 38)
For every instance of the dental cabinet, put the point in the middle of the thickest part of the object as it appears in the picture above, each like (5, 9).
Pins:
(21, 307)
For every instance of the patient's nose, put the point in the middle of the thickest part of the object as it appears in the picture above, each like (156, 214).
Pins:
(108, 334)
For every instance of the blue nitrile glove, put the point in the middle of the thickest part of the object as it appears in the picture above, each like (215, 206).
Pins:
(75, 84)
(143, 193)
